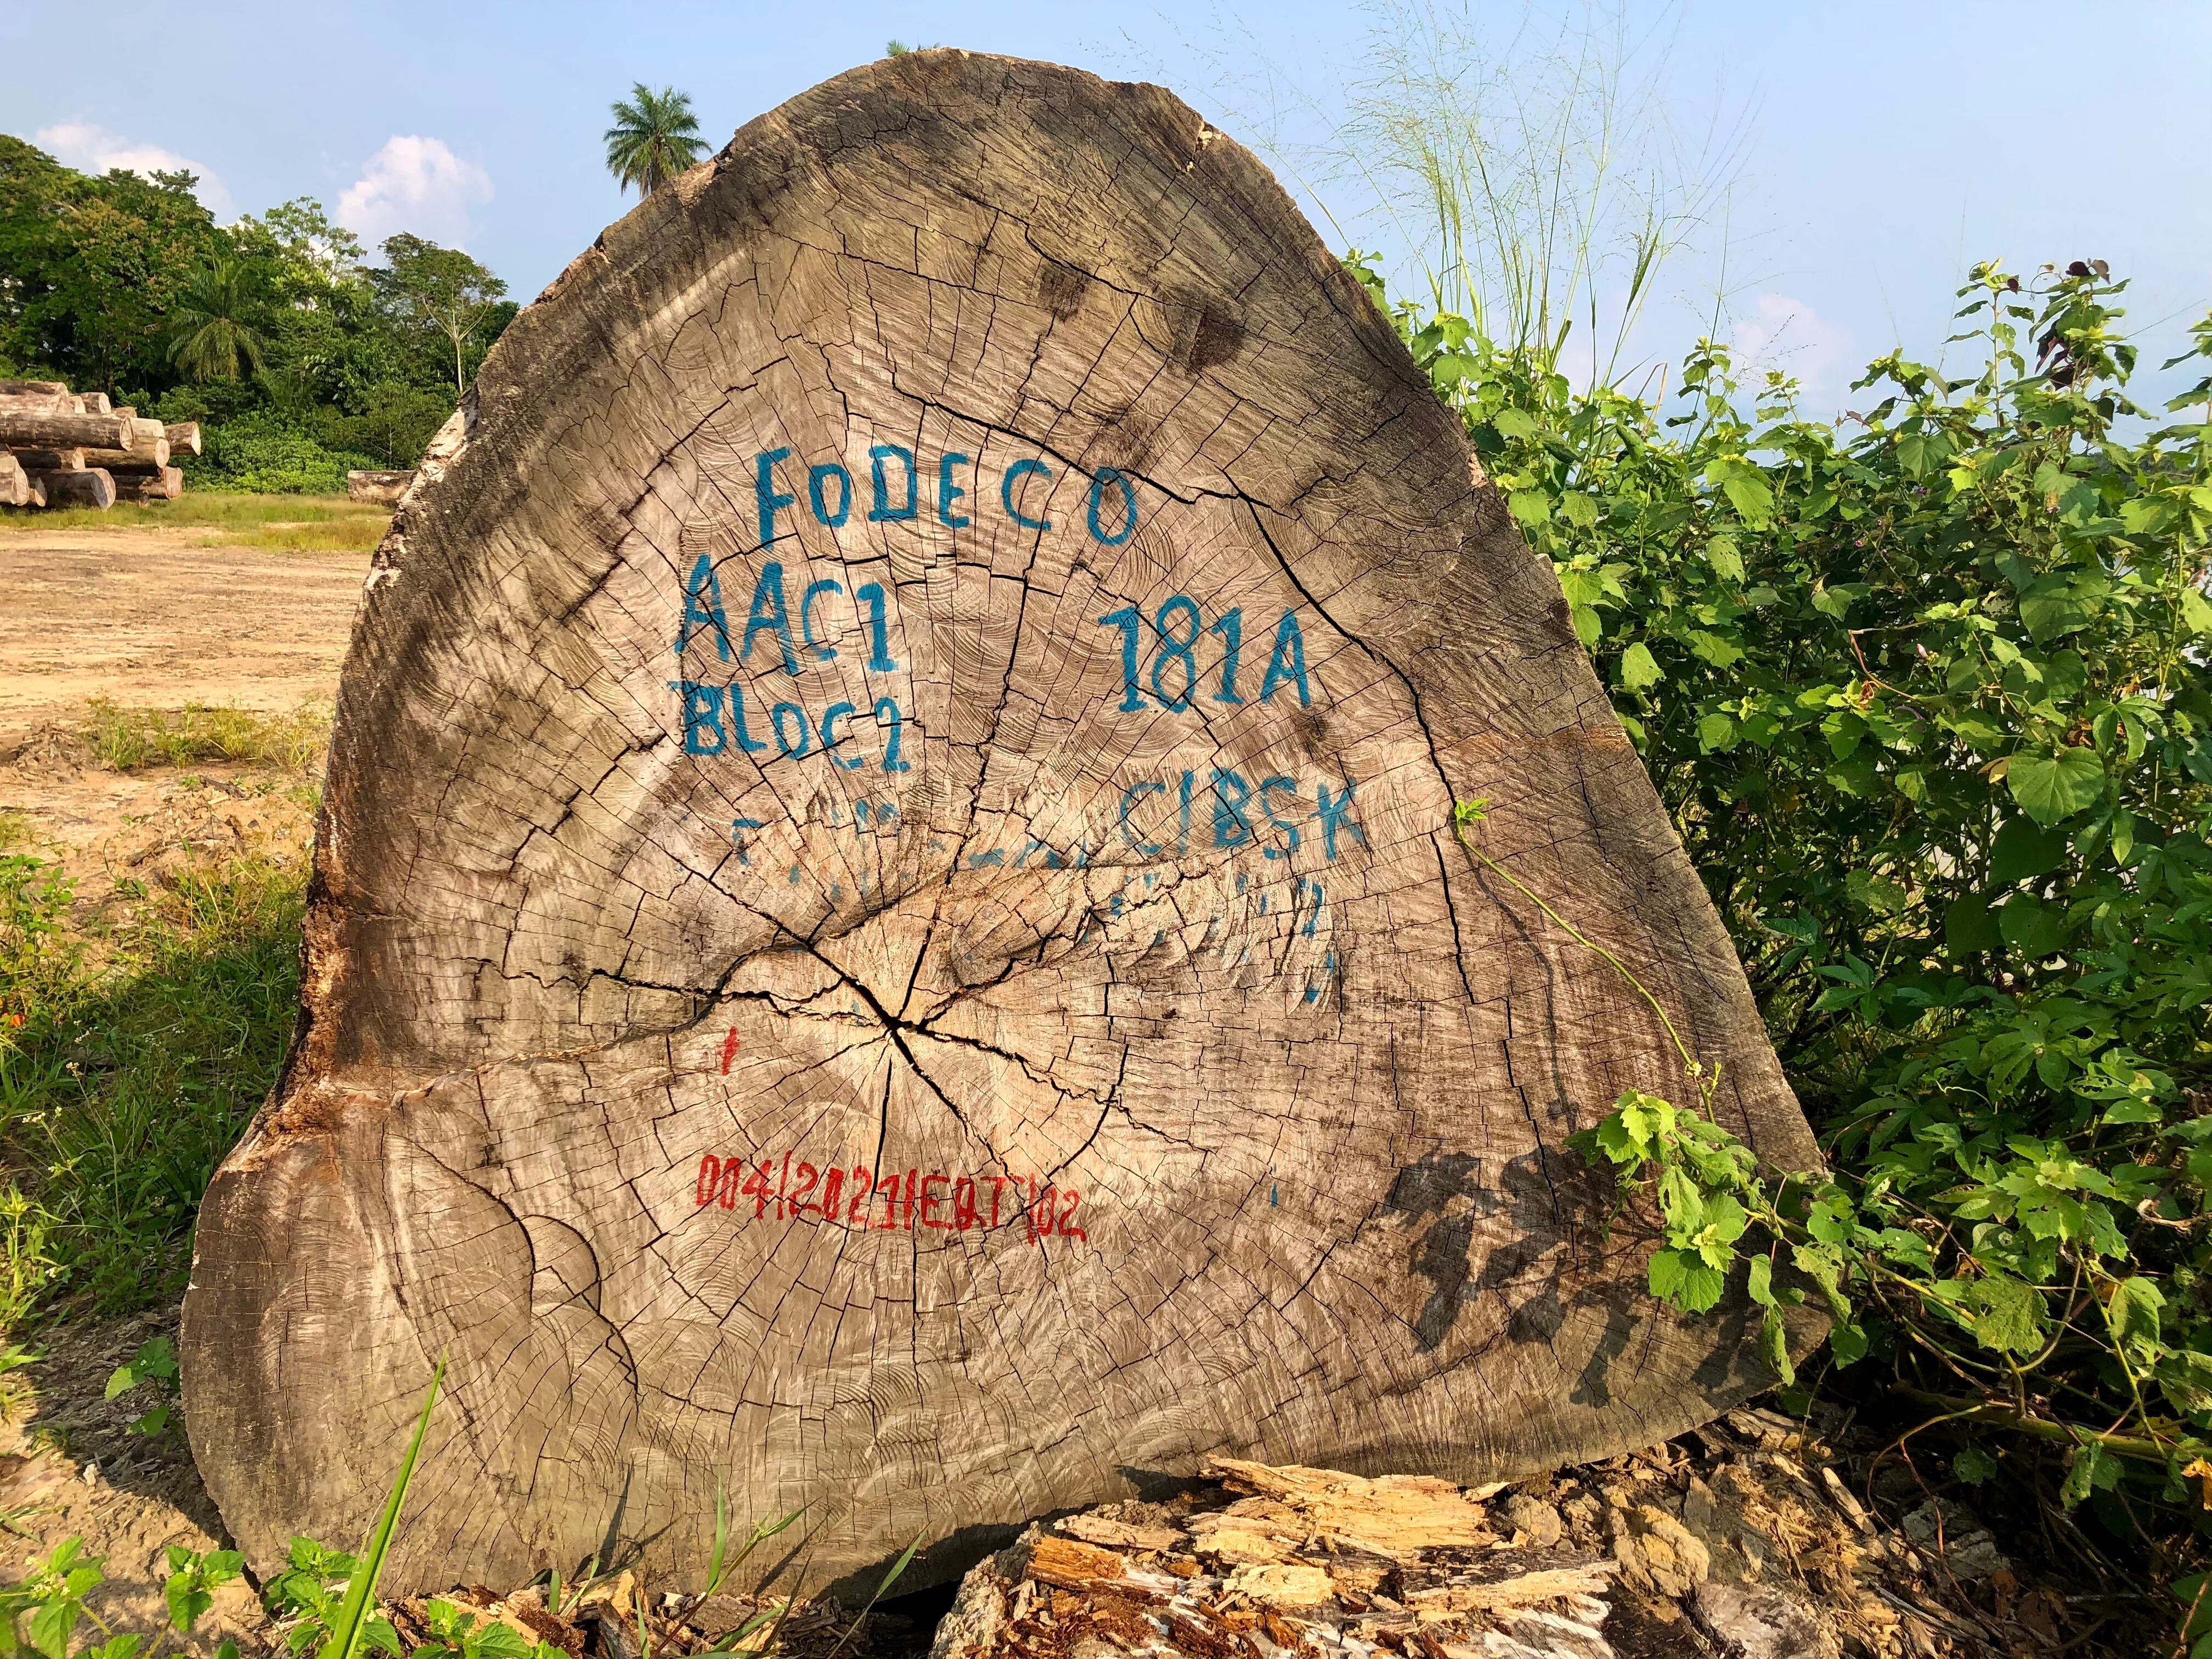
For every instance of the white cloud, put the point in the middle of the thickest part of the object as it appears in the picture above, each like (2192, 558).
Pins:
(414, 184)
(92, 149)
(1789, 335)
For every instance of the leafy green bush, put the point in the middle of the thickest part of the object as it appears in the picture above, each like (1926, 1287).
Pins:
(266, 452)
(1928, 700)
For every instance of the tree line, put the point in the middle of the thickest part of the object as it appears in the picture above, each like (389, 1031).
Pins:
(303, 358)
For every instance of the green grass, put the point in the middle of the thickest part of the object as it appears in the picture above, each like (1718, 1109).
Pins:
(127, 739)
(284, 524)
(123, 1084)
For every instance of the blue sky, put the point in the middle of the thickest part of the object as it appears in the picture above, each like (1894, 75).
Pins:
(1887, 146)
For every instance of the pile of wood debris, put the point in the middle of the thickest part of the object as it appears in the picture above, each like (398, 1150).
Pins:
(1742, 1542)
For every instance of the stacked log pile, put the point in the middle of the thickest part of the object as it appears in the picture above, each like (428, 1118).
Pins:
(63, 449)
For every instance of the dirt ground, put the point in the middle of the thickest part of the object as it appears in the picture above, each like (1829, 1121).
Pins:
(143, 618)
(146, 620)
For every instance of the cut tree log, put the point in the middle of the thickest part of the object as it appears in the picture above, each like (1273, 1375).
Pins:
(29, 431)
(94, 403)
(184, 437)
(15, 484)
(378, 488)
(55, 460)
(163, 484)
(36, 398)
(887, 934)
(150, 452)
(90, 487)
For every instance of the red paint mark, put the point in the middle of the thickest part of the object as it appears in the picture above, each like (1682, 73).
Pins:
(730, 1046)
(1047, 1210)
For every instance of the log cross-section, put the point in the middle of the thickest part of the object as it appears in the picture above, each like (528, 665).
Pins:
(885, 933)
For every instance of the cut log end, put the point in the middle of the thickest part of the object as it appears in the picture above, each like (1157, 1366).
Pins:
(378, 488)
(93, 487)
(161, 484)
(887, 937)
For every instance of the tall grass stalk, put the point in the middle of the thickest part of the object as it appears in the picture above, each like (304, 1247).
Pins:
(1522, 167)
(1552, 183)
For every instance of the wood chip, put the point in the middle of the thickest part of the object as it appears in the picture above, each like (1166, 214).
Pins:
(1397, 1516)
(1119, 1534)
(1072, 1565)
(1511, 1578)
(1287, 1584)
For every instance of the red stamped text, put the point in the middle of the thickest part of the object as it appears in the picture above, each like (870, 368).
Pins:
(859, 1198)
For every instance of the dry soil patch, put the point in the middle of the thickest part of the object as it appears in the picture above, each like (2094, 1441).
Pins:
(143, 618)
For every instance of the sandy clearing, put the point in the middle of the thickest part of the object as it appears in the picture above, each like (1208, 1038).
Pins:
(145, 618)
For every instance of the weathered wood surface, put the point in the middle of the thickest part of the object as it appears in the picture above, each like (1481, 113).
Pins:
(36, 398)
(24, 429)
(15, 483)
(184, 437)
(92, 487)
(378, 488)
(914, 1068)
(1403, 1566)
(144, 452)
(160, 484)
(53, 460)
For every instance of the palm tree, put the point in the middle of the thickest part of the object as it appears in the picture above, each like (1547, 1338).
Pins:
(654, 137)
(209, 335)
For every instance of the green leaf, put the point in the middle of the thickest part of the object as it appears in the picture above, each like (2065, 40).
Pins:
(1823, 1264)
(2032, 929)
(1774, 1346)
(1578, 509)
(2184, 1376)
(1531, 507)
(355, 1615)
(2003, 1314)
(2133, 1316)
(2050, 788)
(2050, 615)
(1761, 1284)
(1847, 1342)
(1712, 649)
(1920, 453)
(2196, 611)
(1877, 893)
(1970, 924)
(1715, 732)
(1974, 1466)
(1682, 1277)
(1516, 424)
(2024, 849)
(1638, 668)
(1721, 554)
(2089, 1468)
(1830, 1221)
(1749, 494)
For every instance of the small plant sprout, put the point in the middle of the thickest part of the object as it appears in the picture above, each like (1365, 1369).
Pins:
(153, 1369)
